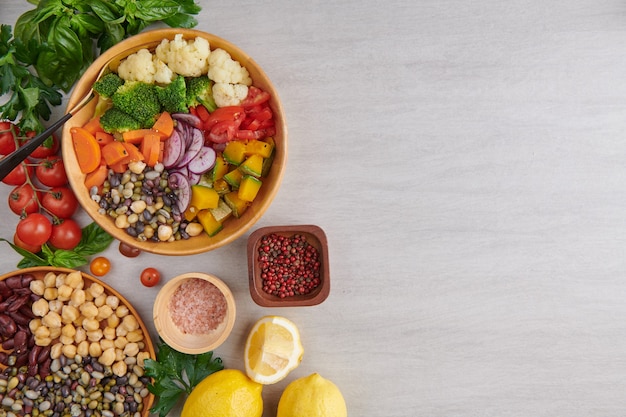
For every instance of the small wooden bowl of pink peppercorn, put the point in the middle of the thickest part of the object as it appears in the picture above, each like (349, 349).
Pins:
(288, 266)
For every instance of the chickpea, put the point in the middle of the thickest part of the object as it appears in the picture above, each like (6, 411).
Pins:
(50, 293)
(112, 301)
(52, 320)
(50, 280)
(78, 298)
(74, 280)
(89, 310)
(108, 357)
(64, 292)
(56, 350)
(119, 368)
(95, 350)
(37, 286)
(91, 324)
(69, 314)
(40, 307)
(55, 305)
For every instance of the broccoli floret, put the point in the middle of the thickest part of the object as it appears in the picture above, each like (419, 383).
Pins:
(138, 99)
(199, 92)
(108, 85)
(173, 97)
(116, 121)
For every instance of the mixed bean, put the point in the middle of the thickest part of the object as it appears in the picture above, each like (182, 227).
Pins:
(142, 202)
(68, 349)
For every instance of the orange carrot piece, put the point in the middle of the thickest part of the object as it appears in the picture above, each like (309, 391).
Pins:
(114, 152)
(104, 138)
(135, 136)
(86, 148)
(164, 125)
(119, 168)
(96, 178)
(93, 125)
(134, 154)
(150, 147)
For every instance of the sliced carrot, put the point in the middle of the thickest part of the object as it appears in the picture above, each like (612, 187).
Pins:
(164, 125)
(134, 154)
(86, 148)
(93, 125)
(104, 138)
(114, 152)
(150, 147)
(96, 178)
(119, 168)
(135, 136)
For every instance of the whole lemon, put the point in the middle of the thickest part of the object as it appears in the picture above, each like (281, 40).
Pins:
(226, 393)
(312, 396)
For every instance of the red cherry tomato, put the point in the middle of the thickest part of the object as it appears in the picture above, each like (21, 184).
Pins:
(66, 235)
(7, 137)
(100, 266)
(24, 200)
(19, 174)
(48, 148)
(60, 202)
(51, 171)
(255, 97)
(35, 229)
(150, 277)
(31, 248)
(128, 250)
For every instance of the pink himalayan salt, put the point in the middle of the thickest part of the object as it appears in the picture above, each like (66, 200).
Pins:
(197, 306)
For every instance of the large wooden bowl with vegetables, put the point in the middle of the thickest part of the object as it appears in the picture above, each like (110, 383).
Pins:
(184, 145)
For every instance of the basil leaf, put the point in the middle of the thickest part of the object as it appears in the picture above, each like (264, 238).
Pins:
(113, 34)
(181, 20)
(153, 10)
(94, 239)
(67, 259)
(30, 259)
(107, 12)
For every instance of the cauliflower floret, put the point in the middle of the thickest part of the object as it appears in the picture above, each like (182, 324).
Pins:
(226, 94)
(224, 69)
(163, 74)
(138, 67)
(188, 58)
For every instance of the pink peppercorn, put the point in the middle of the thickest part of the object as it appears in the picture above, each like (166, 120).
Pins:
(290, 266)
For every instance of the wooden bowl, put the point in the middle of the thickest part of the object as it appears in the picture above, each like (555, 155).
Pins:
(233, 228)
(192, 342)
(316, 237)
(40, 272)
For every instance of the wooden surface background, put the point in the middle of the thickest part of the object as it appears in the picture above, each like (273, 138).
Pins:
(466, 160)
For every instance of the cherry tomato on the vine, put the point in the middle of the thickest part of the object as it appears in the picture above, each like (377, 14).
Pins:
(7, 137)
(48, 148)
(128, 250)
(24, 200)
(35, 229)
(60, 202)
(100, 266)
(150, 277)
(19, 174)
(19, 243)
(51, 171)
(66, 235)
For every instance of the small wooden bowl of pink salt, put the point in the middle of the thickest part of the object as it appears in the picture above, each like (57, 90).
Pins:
(194, 313)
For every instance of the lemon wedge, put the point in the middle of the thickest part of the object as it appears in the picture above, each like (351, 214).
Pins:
(273, 349)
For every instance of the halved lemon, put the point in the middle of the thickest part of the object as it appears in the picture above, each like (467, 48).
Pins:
(273, 349)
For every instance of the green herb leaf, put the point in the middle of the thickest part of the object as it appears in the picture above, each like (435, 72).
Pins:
(175, 374)
(94, 240)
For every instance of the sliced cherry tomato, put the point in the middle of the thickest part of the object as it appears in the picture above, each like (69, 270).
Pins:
(202, 112)
(255, 119)
(60, 202)
(48, 148)
(233, 114)
(8, 132)
(19, 243)
(100, 266)
(65, 235)
(128, 250)
(51, 171)
(150, 277)
(255, 97)
(24, 200)
(222, 132)
(19, 174)
(35, 229)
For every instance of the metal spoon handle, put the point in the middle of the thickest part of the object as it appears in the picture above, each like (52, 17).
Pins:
(11, 161)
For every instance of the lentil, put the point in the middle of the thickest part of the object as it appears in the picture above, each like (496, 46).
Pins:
(290, 266)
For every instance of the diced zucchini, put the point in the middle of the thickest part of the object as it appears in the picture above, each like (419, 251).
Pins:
(222, 211)
(237, 205)
(249, 188)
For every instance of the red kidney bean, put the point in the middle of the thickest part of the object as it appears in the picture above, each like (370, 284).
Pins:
(7, 326)
(21, 342)
(20, 318)
(8, 344)
(44, 354)
(44, 368)
(27, 311)
(14, 282)
(17, 302)
(21, 360)
(4, 289)
(26, 280)
(4, 358)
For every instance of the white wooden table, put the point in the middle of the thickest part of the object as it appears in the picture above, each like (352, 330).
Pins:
(466, 160)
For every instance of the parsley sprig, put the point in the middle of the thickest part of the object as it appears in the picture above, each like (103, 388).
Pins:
(175, 374)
